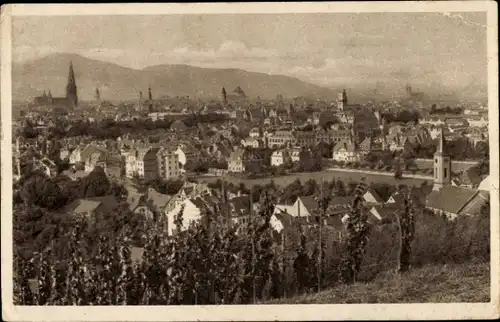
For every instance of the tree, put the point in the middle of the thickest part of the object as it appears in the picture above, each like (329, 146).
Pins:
(301, 262)
(310, 187)
(398, 173)
(356, 238)
(96, 184)
(406, 222)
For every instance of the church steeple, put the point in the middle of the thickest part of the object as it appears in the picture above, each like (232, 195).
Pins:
(97, 94)
(442, 164)
(150, 97)
(71, 93)
(223, 97)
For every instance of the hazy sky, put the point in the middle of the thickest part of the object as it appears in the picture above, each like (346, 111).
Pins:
(449, 49)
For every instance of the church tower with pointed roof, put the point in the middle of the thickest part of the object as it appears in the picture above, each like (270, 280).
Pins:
(442, 165)
(71, 92)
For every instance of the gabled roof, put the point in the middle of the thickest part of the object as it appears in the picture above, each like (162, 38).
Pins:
(240, 205)
(346, 145)
(286, 219)
(474, 205)
(375, 195)
(81, 206)
(449, 198)
(341, 201)
(384, 213)
(309, 202)
(158, 201)
(289, 209)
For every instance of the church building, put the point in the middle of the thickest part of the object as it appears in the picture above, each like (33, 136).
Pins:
(452, 201)
(71, 99)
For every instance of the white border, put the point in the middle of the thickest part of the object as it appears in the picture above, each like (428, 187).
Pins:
(242, 312)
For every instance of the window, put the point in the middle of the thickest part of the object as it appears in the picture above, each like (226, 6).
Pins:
(436, 160)
(445, 172)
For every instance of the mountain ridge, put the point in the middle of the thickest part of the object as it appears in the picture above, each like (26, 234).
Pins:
(117, 82)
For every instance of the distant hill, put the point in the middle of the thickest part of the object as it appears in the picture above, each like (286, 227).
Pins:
(116, 82)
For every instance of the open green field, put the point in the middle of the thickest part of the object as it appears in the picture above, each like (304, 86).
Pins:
(468, 282)
(318, 176)
(455, 165)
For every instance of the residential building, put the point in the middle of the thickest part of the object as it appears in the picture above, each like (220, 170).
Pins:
(193, 209)
(92, 206)
(304, 138)
(346, 151)
(280, 138)
(251, 142)
(152, 163)
(477, 121)
(130, 162)
(169, 164)
(255, 132)
(178, 126)
(371, 197)
(92, 161)
(236, 161)
(280, 157)
(339, 133)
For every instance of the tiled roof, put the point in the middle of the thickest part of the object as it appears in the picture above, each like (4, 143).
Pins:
(240, 205)
(385, 213)
(450, 199)
(473, 207)
(309, 203)
(158, 200)
(344, 144)
(344, 201)
(286, 219)
(375, 195)
(81, 206)
(290, 209)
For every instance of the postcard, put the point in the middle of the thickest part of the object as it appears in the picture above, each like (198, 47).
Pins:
(250, 161)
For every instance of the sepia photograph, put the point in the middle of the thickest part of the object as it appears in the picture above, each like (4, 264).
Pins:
(214, 161)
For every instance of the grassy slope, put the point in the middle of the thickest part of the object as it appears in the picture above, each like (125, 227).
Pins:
(437, 284)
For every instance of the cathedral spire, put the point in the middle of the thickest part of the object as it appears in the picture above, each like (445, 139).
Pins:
(71, 93)
(97, 94)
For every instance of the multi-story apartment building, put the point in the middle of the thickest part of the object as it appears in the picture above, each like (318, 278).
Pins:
(304, 138)
(134, 162)
(169, 166)
(280, 138)
(161, 163)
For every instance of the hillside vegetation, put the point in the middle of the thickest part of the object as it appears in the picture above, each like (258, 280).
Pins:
(469, 282)
(30, 78)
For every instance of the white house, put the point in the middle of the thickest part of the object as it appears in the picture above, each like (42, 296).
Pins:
(250, 142)
(346, 151)
(372, 197)
(254, 133)
(280, 157)
(191, 213)
(477, 121)
(75, 156)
